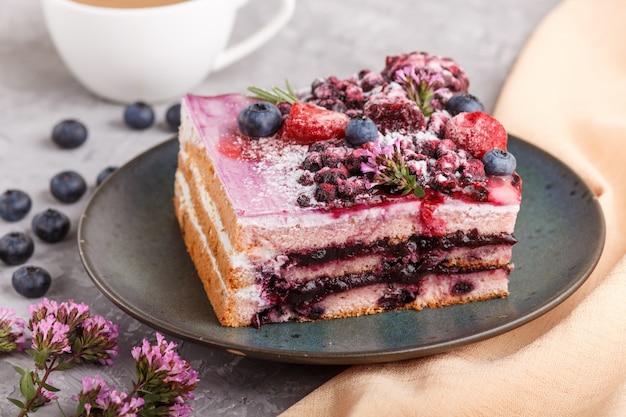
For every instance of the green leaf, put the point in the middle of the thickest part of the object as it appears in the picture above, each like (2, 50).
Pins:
(64, 366)
(16, 402)
(49, 387)
(27, 387)
(19, 370)
(276, 95)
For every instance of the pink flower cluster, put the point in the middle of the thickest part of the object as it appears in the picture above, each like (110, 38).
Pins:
(97, 399)
(65, 334)
(12, 336)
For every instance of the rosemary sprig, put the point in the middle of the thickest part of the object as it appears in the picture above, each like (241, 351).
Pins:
(276, 94)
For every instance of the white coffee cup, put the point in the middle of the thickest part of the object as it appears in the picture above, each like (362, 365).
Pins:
(151, 53)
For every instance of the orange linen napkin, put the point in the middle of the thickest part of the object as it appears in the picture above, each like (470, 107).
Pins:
(567, 95)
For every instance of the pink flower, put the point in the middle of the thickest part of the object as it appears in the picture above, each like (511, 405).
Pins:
(12, 335)
(69, 312)
(162, 372)
(51, 336)
(98, 341)
(97, 399)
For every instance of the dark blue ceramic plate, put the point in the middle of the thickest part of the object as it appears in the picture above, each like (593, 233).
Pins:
(132, 248)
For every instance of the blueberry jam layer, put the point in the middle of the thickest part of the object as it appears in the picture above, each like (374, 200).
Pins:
(414, 247)
(404, 281)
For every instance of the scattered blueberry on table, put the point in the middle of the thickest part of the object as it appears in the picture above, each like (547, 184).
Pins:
(51, 225)
(14, 205)
(139, 115)
(104, 174)
(172, 117)
(69, 134)
(16, 248)
(31, 281)
(68, 186)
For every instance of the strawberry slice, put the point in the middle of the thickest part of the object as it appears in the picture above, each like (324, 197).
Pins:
(477, 132)
(308, 123)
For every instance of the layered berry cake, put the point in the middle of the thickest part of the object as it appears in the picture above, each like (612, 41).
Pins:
(383, 191)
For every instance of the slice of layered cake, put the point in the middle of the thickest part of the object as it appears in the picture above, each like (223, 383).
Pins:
(387, 190)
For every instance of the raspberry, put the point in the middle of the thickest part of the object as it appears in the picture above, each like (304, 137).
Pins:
(478, 132)
(473, 169)
(307, 123)
(427, 147)
(393, 111)
(371, 80)
(437, 124)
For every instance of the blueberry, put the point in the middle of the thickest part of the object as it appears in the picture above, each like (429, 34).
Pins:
(172, 117)
(499, 162)
(51, 225)
(104, 174)
(139, 115)
(16, 248)
(69, 134)
(31, 281)
(360, 130)
(14, 205)
(463, 102)
(68, 186)
(259, 120)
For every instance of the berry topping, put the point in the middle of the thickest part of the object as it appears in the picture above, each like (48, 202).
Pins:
(392, 111)
(361, 130)
(139, 115)
(51, 225)
(260, 120)
(499, 162)
(452, 78)
(14, 205)
(309, 123)
(463, 102)
(68, 186)
(477, 132)
(31, 281)
(69, 134)
(104, 174)
(172, 117)
(16, 248)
